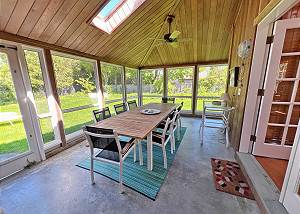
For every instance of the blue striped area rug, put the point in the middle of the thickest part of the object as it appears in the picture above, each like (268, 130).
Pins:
(135, 176)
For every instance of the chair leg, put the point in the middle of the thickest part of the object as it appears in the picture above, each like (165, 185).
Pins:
(172, 143)
(92, 171)
(120, 177)
(165, 157)
(178, 133)
(141, 153)
(134, 153)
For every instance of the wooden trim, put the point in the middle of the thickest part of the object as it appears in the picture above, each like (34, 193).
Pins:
(230, 57)
(35, 43)
(270, 6)
(55, 104)
(220, 62)
(195, 87)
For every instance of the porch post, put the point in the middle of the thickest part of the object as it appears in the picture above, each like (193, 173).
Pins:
(100, 90)
(165, 82)
(53, 98)
(195, 87)
(140, 94)
(124, 84)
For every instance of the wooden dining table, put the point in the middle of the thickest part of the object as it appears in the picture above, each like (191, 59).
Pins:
(139, 126)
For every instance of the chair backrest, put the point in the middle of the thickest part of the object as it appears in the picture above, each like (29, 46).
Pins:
(100, 138)
(180, 107)
(131, 105)
(168, 100)
(101, 114)
(120, 108)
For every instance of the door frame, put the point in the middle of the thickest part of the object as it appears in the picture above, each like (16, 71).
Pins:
(260, 148)
(20, 80)
(294, 160)
(258, 66)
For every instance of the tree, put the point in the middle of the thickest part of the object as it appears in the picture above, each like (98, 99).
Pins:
(7, 91)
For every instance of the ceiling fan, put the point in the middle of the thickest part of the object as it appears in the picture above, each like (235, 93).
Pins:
(171, 38)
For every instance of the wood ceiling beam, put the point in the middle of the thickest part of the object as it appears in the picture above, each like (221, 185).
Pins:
(36, 43)
(218, 62)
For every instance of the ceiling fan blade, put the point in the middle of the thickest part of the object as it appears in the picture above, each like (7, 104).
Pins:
(174, 44)
(175, 34)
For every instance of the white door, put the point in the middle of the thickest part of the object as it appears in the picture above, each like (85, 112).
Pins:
(291, 189)
(280, 106)
(18, 142)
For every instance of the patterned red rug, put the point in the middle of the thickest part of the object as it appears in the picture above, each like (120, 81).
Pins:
(229, 178)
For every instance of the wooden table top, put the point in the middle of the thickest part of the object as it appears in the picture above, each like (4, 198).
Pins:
(135, 124)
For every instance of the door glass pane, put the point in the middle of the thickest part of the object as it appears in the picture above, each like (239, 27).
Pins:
(283, 91)
(131, 83)
(39, 93)
(180, 83)
(278, 114)
(288, 67)
(211, 83)
(274, 134)
(297, 98)
(112, 80)
(152, 85)
(295, 115)
(13, 140)
(290, 136)
(292, 40)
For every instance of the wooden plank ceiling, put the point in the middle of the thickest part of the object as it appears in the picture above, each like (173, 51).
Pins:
(65, 23)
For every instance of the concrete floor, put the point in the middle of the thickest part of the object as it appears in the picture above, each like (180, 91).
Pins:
(57, 186)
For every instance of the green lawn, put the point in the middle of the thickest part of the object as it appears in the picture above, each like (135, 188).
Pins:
(13, 137)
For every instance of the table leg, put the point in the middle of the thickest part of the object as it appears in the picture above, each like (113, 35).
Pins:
(149, 152)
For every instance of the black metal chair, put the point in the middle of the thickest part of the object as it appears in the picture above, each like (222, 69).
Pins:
(131, 105)
(112, 149)
(101, 114)
(168, 100)
(120, 108)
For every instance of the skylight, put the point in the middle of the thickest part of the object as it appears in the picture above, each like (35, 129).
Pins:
(114, 13)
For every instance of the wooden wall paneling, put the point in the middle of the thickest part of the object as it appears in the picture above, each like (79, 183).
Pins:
(194, 16)
(86, 40)
(5, 12)
(77, 37)
(74, 14)
(200, 28)
(32, 17)
(45, 18)
(244, 29)
(18, 15)
(59, 16)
